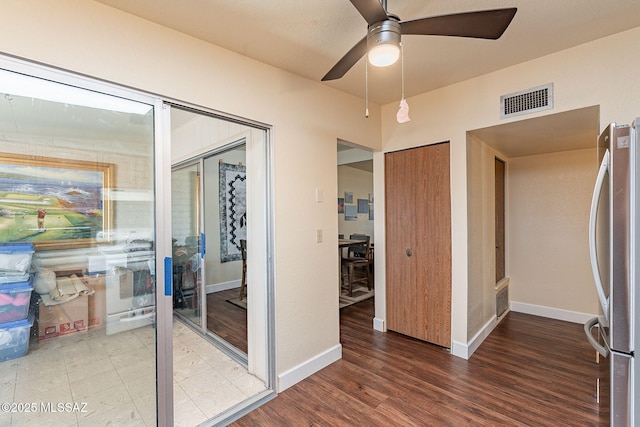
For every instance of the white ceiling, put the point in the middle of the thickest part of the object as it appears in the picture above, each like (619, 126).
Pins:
(569, 130)
(308, 37)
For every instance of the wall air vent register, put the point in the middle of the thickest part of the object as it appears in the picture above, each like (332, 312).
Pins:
(527, 101)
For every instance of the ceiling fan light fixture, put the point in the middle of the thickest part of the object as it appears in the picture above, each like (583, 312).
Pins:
(383, 43)
(384, 55)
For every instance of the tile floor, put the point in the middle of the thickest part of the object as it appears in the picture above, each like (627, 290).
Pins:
(115, 376)
(205, 380)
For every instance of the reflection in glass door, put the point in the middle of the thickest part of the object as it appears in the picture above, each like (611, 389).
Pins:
(226, 224)
(77, 210)
(189, 296)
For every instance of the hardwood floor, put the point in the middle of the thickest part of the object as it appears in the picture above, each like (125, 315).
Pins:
(226, 320)
(531, 371)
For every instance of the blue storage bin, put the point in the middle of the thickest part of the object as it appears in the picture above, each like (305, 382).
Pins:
(14, 301)
(15, 258)
(14, 338)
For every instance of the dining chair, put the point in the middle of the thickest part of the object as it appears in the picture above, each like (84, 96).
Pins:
(355, 269)
(358, 251)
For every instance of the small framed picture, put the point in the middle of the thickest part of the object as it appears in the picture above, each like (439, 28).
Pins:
(348, 196)
(340, 204)
(350, 213)
(363, 206)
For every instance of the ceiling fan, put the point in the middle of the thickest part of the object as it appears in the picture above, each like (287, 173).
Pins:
(382, 42)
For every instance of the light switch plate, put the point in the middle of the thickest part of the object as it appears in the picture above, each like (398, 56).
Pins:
(319, 235)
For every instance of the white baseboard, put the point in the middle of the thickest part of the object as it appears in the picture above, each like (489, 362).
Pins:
(465, 350)
(224, 286)
(482, 335)
(460, 349)
(309, 367)
(378, 325)
(552, 313)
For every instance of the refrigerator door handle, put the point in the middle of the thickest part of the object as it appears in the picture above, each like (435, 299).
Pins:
(604, 351)
(593, 253)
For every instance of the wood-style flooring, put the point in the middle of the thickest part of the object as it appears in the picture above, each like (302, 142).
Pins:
(531, 371)
(226, 320)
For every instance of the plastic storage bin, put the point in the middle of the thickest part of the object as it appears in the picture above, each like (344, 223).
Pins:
(15, 258)
(14, 338)
(14, 301)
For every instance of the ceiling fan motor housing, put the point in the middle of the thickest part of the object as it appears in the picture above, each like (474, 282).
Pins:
(385, 36)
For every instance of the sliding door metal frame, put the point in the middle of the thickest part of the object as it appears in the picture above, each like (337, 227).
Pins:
(164, 308)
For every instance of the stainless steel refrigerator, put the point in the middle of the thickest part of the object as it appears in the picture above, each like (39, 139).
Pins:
(613, 243)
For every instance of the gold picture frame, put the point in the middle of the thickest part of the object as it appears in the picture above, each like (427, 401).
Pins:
(54, 203)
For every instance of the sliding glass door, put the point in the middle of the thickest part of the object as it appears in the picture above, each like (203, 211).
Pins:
(90, 277)
(79, 268)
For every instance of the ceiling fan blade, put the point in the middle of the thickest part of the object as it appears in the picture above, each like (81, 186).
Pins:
(371, 10)
(347, 61)
(484, 24)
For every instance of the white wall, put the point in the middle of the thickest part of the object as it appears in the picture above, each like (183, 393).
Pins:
(587, 75)
(549, 200)
(360, 183)
(306, 117)
(481, 215)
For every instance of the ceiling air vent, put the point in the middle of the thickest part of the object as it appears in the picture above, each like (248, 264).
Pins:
(527, 101)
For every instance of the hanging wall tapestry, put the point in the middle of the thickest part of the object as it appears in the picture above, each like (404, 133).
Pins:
(233, 210)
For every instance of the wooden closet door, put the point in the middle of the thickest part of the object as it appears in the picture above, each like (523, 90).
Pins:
(418, 236)
(400, 173)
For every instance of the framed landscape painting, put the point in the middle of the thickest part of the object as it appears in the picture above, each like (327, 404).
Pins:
(54, 203)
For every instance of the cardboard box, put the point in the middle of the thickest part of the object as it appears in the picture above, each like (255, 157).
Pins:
(97, 301)
(63, 319)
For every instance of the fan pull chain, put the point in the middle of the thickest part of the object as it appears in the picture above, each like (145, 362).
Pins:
(402, 67)
(403, 112)
(366, 87)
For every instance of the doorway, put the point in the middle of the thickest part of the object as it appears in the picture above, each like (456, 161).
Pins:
(356, 210)
(549, 169)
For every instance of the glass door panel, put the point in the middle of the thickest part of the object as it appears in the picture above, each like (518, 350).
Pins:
(188, 285)
(210, 178)
(77, 216)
